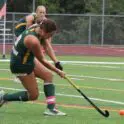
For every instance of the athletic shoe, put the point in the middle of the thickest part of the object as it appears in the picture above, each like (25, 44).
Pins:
(54, 112)
(1, 98)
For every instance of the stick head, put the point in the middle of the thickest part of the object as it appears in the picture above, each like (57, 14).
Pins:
(106, 113)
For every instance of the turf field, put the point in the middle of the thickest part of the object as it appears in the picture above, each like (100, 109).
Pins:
(100, 78)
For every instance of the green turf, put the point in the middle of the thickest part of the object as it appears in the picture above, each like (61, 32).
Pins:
(95, 80)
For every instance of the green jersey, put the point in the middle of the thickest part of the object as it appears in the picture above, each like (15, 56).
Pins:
(22, 59)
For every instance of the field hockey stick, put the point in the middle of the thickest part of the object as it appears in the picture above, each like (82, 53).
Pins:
(104, 113)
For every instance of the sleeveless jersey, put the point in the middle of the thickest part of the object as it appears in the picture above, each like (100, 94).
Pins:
(22, 59)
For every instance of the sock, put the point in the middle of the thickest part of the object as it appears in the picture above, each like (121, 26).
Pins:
(19, 96)
(49, 90)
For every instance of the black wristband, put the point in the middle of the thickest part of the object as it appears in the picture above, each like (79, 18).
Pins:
(59, 66)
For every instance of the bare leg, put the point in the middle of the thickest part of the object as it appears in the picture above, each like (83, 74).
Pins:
(29, 83)
(49, 89)
(42, 72)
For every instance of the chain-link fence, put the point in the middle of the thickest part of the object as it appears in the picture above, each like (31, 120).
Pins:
(78, 28)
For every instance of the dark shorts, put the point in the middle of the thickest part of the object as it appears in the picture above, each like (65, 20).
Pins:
(21, 69)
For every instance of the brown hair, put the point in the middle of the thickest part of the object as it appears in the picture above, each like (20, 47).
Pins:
(48, 25)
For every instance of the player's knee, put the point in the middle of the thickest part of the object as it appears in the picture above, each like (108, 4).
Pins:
(49, 77)
(34, 96)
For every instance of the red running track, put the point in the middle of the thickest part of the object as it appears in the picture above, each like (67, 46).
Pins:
(81, 50)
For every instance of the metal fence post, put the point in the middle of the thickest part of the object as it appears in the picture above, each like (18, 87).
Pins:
(103, 14)
(89, 31)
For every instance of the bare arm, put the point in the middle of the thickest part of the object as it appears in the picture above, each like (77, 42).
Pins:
(29, 20)
(33, 44)
(49, 50)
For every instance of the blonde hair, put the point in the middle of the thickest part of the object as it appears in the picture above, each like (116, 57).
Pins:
(41, 7)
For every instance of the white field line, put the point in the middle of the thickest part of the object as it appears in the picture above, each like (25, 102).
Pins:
(74, 96)
(79, 62)
(101, 78)
(4, 60)
(87, 87)
(97, 66)
(5, 70)
(76, 77)
(92, 62)
(91, 65)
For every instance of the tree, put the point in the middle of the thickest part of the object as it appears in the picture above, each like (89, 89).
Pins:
(72, 6)
(19, 5)
(114, 6)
